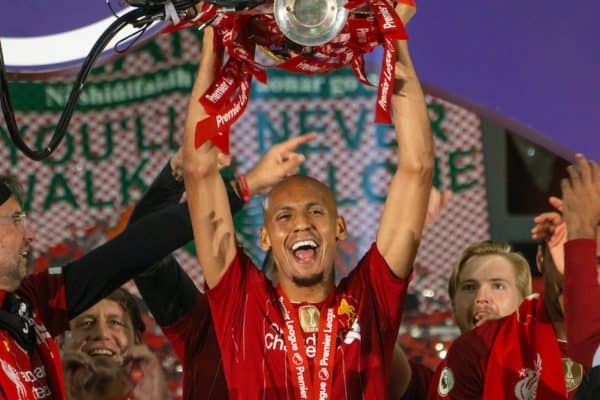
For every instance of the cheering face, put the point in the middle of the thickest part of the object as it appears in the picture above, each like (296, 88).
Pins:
(104, 332)
(302, 228)
(15, 245)
(487, 289)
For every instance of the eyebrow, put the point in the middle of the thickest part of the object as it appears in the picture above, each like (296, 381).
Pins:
(495, 279)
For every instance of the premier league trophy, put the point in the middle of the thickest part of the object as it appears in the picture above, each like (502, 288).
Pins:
(305, 36)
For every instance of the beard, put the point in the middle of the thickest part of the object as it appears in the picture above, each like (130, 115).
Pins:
(18, 271)
(308, 281)
(14, 270)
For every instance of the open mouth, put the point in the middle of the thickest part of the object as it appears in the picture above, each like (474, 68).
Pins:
(305, 250)
(101, 352)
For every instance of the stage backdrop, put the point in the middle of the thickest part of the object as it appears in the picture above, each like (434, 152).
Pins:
(129, 123)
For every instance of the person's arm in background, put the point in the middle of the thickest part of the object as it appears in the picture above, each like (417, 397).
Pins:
(166, 288)
(581, 212)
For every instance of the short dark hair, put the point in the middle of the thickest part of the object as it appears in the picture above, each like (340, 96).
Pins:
(9, 186)
(132, 306)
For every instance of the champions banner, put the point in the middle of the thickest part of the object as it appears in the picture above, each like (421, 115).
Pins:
(129, 121)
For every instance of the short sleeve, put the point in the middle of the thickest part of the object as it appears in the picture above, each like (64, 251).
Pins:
(373, 277)
(462, 374)
(191, 330)
(227, 298)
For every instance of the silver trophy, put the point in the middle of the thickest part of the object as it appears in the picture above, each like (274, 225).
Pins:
(310, 22)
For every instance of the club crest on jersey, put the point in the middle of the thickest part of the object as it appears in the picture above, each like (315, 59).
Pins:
(446, 382)
(13, 375)
(346, 313)
(526, 387)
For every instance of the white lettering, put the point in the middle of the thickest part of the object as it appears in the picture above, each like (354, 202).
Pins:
(42, 392)
(311, 346)
(274, 342)
(234, 111)
(301, 383)
(323, 391)
(292, 335)
(387, 77)
(304, 66)
(388, 20)
(219, 91)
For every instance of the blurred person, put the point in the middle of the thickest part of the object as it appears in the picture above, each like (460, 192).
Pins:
(283, 342)
(524, 355)
(37, 307)
(488, 281)
(579, 227)
(104, 358)
(581, 214)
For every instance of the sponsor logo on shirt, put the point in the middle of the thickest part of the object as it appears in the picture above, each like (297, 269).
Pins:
(346, 313)
(446, 382)
(274, 339)
(526, 387)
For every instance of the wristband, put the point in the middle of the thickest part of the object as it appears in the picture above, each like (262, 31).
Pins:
(244, 190)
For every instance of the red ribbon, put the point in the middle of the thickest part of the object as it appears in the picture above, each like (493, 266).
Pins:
(216, 127)
(320, 385)
(234, 29)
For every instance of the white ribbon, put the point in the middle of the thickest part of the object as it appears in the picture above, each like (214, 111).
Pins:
(171, 13)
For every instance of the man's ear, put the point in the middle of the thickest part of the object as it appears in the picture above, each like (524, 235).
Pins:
(264, 239)
(340, 229)
(539, 259)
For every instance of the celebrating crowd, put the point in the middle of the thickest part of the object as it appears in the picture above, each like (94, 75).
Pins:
(286, 330)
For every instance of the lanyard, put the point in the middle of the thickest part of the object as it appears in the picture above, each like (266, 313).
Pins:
(320, 385)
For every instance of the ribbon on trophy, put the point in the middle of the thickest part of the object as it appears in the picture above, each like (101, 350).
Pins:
(235, 77)
(369, 23)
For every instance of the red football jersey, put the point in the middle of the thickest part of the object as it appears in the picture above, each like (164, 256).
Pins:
(462, 375)
(38, 374)
(249, 325)
(581, 299)
(195, 344)
(420, 381)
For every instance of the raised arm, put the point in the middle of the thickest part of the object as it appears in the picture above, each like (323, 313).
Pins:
(406, 204)
(209, 209)
(207, 198)
(166, 288)
(581, 212)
